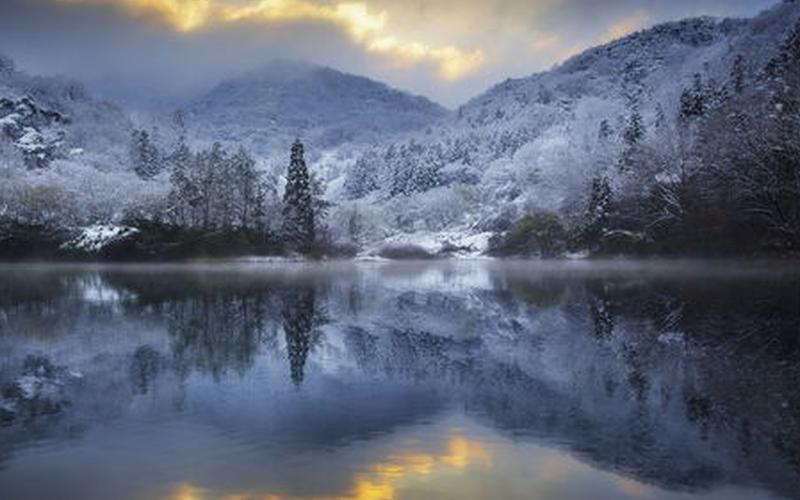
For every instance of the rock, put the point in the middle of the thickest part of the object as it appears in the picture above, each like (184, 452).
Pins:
(100, 238)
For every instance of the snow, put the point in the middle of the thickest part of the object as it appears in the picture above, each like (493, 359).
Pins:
(11, 120)
(93, 239)
(465, 243)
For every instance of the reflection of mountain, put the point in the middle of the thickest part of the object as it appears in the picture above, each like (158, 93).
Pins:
(683, 383)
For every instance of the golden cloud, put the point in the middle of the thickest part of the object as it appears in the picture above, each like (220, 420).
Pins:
(546, 43)
(626, 26)
(366, 28)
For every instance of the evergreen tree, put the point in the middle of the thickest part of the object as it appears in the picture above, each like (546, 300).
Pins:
(401, 169)
(182, 196)
(738, 74)
(597, 210)
(693, 100)
(605, 130)
(632, 135)
(246, 183)
(634, 130)
(299, 228)
(661, 118)
(145, 157)
(788, 54)
(362, 179)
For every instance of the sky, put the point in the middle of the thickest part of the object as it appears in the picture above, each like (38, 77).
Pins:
(447, 50)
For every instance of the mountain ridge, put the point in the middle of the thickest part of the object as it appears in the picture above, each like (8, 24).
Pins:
(286, 99)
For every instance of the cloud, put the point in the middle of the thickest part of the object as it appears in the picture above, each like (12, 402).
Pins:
(365, 27)
(627, 25)
(546, 43)
(448, 50)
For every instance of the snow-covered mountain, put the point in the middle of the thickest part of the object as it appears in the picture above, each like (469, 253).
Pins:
(533, 143)
(398, 168)
(267, 109)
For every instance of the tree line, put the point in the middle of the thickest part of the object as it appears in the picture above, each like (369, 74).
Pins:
(216, 190)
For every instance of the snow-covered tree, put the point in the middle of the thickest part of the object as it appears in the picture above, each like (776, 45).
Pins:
(605, 131)
(145, 157)
(362, 178)
(632, 136)
(596, 217)
(738, 74)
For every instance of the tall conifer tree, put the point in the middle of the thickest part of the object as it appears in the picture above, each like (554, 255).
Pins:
(298, 211)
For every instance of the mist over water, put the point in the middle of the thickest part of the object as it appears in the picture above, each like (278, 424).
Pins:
(400, 380)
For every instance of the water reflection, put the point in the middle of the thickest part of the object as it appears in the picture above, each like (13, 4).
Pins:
(299, 322)
(469, 380)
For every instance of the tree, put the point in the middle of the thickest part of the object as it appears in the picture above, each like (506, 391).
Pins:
(182, 196)
(362, 179)
(540, 234)
(605, 130)
(634, 129)
(693, 100)
(597, 210)
(697, 100)
(145, 157)
(246, 179)
(299, 228)
(738, 74)
(632, 135)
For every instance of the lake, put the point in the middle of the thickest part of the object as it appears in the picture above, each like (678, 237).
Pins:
(460, 380)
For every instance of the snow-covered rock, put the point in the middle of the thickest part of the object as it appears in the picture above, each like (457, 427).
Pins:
(96, 238)
(39, 390)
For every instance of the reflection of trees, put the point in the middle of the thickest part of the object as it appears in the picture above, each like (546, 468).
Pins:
(215, 332)
(299, 320)
(600, 311)
(40, 304)
(144, 369)
(668, 342)
(639, 375)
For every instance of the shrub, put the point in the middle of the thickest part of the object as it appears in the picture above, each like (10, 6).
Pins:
(407, 252)
(540, 234)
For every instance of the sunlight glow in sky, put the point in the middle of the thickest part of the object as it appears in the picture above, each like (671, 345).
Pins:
(364, 26)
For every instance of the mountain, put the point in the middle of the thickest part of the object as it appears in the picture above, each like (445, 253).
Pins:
(535, 143)
(267, 109)
(656, 139)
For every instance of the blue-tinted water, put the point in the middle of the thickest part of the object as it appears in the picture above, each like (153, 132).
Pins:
(408, 380)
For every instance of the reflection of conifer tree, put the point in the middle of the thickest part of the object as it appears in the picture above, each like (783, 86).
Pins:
(637, 372)
(298, 323)
(602, 316)
(144, 369)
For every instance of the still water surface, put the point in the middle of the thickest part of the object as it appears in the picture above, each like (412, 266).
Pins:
(461, 380)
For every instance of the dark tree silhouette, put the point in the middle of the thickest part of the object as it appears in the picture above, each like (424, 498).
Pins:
(298, 325)
(299, 228)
